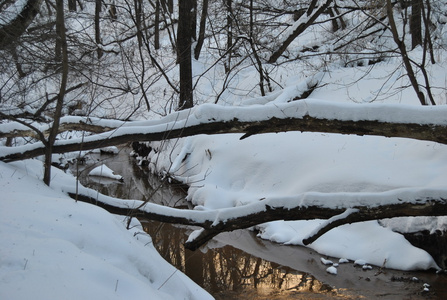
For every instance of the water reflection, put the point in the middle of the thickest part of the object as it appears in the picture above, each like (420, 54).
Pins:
(230, 273)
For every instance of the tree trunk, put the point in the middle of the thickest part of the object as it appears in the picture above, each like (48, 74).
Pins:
(184, 37)
(415, 23)
(194, 20)
(201, 38)
(157, 26)
(428, 43)
(229, 5)
(60, 31)
(72, 5)
(97, 27)
(168, 5)
(255, 52)
(215, 222)
(403, 53)
(113, 12)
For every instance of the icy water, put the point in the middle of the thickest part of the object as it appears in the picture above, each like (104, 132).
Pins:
(238, 265)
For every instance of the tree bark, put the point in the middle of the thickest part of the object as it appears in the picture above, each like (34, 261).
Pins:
(157, 26)
(229, 28)
(72, 5)
(255, 52)
(98, 28)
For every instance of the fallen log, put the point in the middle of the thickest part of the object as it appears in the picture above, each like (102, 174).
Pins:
(421, 123)
(229, 219)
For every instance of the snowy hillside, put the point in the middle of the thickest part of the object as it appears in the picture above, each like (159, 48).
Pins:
(55, 248)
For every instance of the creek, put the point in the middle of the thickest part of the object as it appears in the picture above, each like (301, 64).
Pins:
(238, 265)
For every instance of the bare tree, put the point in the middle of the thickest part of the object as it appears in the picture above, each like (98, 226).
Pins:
(408, 63)
(98, 27)
(176, 125)
(416, 23)
(201, 37)
(61, 36)
(184, 42)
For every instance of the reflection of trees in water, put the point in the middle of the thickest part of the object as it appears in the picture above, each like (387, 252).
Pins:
(228, 269)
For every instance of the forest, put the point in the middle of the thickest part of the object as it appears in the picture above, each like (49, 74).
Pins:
(320, 115)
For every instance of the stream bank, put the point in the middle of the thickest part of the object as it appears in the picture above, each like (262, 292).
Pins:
(238, 265)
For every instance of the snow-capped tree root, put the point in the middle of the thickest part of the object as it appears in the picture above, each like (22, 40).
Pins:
(229, 219)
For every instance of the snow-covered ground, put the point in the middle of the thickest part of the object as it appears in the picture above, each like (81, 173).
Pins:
(55, 248)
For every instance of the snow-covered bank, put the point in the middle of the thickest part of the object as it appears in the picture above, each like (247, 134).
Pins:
(224, 171)
(52, 247)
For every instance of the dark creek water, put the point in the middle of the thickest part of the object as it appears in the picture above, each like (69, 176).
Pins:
(238, 265)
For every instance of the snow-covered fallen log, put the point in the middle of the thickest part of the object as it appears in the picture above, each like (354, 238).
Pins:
(339, 209)
(422, 123)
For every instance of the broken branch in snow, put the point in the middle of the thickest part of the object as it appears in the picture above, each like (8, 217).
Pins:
(300, 26)
(332, 222)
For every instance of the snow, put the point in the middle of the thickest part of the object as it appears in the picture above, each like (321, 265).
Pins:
(343, 261)
(85, 252)
(356, 241)
(326, 261)
(360, 262)
(55, 248)
(105, 171)
(332, 270)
